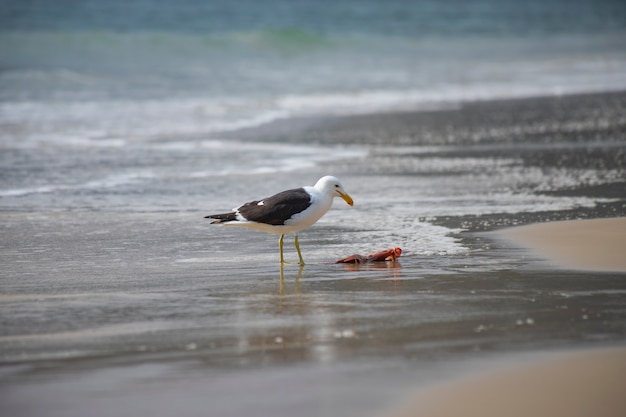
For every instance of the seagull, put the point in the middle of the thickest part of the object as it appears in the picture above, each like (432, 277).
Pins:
(286, 212)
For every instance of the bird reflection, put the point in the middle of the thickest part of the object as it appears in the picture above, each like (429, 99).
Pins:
(354, 267)
(393, 268)
(281, 288)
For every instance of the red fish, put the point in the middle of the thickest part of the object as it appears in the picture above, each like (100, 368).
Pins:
(381, 256)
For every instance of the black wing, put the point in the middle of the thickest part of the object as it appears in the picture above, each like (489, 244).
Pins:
(278, 208)
(222, 218)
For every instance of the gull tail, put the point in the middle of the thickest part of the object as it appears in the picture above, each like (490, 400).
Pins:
(222, 218)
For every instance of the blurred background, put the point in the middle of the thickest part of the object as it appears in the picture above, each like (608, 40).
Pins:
(88, 70)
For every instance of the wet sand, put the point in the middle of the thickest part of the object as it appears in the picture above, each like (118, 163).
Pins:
(567, 385)
(591, 245)
(582, 384)
(580, 118)
(588, 383)
(123, 301)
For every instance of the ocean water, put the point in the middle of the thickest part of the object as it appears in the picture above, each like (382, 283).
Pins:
(85, 70)
(123, 123)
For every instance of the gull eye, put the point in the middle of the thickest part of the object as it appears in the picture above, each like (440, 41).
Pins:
(336, 185)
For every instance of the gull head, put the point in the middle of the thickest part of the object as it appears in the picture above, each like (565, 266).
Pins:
(333, 187)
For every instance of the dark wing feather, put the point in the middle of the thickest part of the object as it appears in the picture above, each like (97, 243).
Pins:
(278, 208)
(222, 218)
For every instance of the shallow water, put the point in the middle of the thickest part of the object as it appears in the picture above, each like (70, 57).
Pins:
(115, 287)
(157, 313)
(123, 291)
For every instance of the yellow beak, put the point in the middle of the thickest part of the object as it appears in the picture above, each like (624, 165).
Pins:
(346, 198)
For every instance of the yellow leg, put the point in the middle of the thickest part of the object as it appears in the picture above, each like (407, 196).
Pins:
(297, 245)
(280, 248)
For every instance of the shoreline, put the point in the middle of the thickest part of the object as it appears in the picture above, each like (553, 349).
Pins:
(467, 122)
(567, 384)
(588, 245)
(155, 297)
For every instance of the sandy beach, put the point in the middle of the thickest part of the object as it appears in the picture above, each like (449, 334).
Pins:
(581, 384)
(588, 383)
(134, 301)
(592, 245)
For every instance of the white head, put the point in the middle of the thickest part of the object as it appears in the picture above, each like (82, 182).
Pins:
(333, 187)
